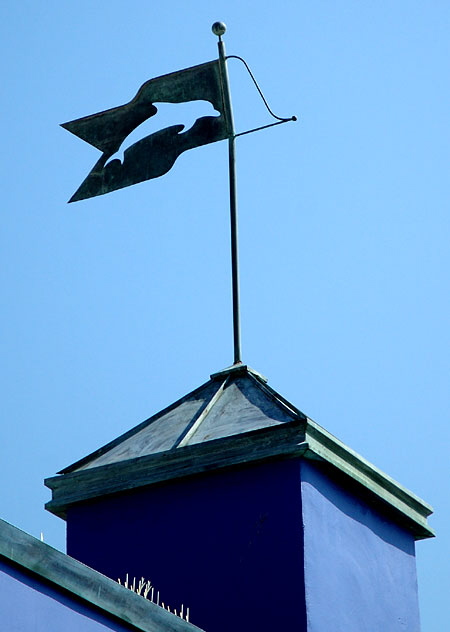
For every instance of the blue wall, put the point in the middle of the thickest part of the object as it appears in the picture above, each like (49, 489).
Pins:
(28, 604)
(360, 570)
(228, 545)
(267, 547)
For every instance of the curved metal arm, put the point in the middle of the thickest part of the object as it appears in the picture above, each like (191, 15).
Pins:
(279, 118)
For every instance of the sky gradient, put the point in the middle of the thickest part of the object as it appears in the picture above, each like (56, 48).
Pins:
(114, 307)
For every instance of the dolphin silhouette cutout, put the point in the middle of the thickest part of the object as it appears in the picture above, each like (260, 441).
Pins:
(167, 115)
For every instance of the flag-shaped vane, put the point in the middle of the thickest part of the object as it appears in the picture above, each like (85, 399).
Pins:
(154, 155)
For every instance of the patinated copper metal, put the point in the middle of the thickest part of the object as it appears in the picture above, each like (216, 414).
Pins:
(155, 154)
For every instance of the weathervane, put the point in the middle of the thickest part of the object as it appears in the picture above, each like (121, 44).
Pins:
(155, 154)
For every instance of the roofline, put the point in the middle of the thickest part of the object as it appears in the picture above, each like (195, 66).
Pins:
(83, 582)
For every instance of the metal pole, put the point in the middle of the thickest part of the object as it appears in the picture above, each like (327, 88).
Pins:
(234, 252)
(219, 29)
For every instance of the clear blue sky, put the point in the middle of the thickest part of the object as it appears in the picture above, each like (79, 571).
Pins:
(114, 307)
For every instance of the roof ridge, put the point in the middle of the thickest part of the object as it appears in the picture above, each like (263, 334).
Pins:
(199, 417)
(277, 398)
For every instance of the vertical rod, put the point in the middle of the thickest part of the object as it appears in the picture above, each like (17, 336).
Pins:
(233, 204)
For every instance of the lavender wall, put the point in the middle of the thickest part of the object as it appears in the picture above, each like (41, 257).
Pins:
(28, 604)
(360, 569)
(228, 545)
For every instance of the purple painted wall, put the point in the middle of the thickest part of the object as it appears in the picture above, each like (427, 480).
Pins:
(228, 545)
(28, 604)
(268, 547)
(360, 569)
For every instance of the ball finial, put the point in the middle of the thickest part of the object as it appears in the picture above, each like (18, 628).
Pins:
(218, 28)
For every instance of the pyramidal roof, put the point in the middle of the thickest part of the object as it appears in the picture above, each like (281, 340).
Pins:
(232, 402)
(232, 420)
